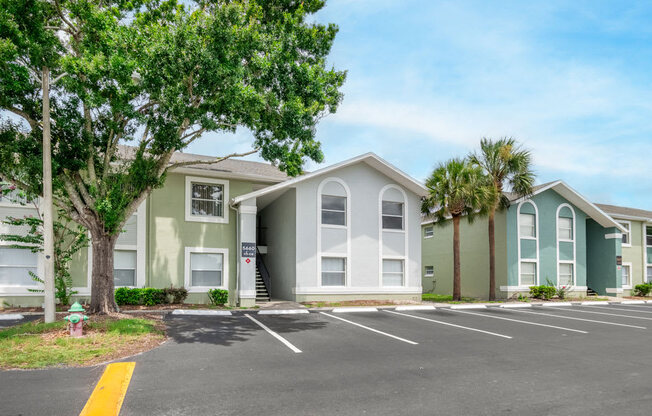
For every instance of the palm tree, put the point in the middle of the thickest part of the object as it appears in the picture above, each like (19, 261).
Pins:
(505, 163)
(455, 189)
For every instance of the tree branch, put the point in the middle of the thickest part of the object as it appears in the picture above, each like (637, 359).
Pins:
(33, 123)
(63, 74)
(212, 161)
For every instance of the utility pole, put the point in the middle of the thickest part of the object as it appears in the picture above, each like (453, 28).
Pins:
(48, 220)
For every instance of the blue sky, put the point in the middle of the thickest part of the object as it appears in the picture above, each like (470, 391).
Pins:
(572, 81)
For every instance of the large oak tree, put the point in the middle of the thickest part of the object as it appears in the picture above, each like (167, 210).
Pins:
(156, 75)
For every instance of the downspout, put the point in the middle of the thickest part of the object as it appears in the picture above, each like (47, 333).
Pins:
(234, 299)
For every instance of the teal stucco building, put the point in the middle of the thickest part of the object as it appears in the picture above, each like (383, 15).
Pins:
(553, 236)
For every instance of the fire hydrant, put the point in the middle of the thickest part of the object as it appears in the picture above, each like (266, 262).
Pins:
(76, 320)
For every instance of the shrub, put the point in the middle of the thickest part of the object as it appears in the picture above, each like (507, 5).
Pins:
(134, 296)
(218, 296)
(127, 296)
(176, 294)
(151, 296)
(543, 291)
(643, 289)
(562, 291)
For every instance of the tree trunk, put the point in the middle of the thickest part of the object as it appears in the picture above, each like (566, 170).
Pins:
(457, 279)
(102, 288)
(492, 255)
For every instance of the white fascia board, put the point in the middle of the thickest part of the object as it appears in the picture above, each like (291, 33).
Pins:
(628, 217)
(225, 175)
(370, 158)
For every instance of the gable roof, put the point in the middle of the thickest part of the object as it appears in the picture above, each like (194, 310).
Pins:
(370, 159)
(571, 195)
(626, 213)
(234, 168)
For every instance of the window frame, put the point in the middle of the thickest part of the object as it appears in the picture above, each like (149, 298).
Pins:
(425, 231)
(383, 273)
(520, 272)
(189, 216)
(428, 273)
(628, 225)
(572, 281)
(37, 267)
(383, 215)
(322, 209)
(188, 268)
(534, 226)
(134, 250)
(648, 274)
(321, 269)
(629, 267)
(648, 237)
(572, 229)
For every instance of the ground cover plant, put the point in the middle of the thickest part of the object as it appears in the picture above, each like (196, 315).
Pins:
(38, 345)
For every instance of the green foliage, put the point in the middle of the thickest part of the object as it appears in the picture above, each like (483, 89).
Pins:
(522, 298)
(218, 296)
(176, 294)
(69, 238)
(456, 188)
(643, 289)
(148, 296)
(543, 292)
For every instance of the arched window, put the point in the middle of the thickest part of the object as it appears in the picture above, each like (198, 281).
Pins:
(565, 245)
(528, 244)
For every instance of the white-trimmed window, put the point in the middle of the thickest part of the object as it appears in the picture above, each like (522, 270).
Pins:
(14, 197)
(626, 270)
(528, 273)
(15, 265)
(648, 236)
(649, 274)
(206, 268)
(205, 200)
(565, 274)
(627, 238)
(565, 230)
(393, 272)
(333, 271)
(527, 225)
(392, 215)
(429, 271)
(429, 232)
(124, 267)
(333, 210)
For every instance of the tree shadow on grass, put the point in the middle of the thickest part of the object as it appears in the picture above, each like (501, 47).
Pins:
(228, 330)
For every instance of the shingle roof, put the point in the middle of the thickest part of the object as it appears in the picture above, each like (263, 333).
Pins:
(616, 211)
(256, 170)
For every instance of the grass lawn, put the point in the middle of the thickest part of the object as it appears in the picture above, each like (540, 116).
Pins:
(38, 345)
(434, 297)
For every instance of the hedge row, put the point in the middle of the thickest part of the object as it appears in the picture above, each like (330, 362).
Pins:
(149, 296)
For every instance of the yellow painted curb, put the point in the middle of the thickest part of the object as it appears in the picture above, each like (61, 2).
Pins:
(110, 391)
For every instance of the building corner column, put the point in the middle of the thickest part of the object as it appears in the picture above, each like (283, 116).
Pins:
(247, 253)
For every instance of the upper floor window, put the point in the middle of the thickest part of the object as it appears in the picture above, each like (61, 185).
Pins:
(428, 232)
(528, 225)
(333, 210)
(648, 236)
(565, 230)
(627, 234)
(205, 199)
(392, 215)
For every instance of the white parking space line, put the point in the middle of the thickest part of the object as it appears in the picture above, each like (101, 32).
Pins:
(524, 322)
(623, 309)
(611, 314)
(274, 334)
(371, 329)
(580, 319)
(449, 324)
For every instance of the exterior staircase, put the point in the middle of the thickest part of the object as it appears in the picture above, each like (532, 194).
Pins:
(261, 291)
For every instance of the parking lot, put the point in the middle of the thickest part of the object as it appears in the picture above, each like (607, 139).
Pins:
(554, 360)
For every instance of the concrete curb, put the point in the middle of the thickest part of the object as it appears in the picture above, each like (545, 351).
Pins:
(201, 312)
(515, 305)
(11, 317)
(354, 309)
(468, 306)
(282, 311)
(415, 308)
(553, 304)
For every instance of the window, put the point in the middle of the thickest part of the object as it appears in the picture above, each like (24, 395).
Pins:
(333, 210)
(428, 232)
(626, 235)
(15, 265)
(528, 273)
(430, 271)
(206, 269)
(124, 268)
(392, 272)
(648, 236)
(333, 271)
(565, 274)
(392, 215)
(206, 199)
(565, 228)
(649, 274)
(626, 275)
(14, 197)
(528, 225)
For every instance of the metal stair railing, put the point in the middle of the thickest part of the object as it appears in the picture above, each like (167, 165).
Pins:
(264, 273)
